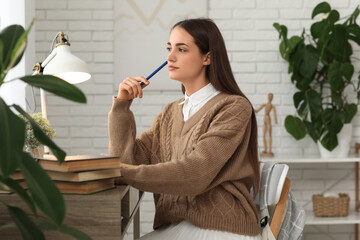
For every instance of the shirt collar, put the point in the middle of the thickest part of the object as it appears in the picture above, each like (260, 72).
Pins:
(200, 95)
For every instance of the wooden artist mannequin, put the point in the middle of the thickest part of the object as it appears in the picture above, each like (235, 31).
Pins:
(267, 125)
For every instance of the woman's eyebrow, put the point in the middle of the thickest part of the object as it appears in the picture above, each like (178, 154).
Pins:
(178, 44)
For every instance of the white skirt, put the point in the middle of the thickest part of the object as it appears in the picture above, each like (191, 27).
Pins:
(187, 231)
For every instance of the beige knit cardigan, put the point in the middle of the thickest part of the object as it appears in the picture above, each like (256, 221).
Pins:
(198, 170)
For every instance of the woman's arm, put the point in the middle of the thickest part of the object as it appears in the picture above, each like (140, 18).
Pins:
(121, 124)
(122, 135)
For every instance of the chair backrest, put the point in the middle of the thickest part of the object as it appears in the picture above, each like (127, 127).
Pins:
(272, 182)
(277, 217)
(272, 179)
(275, 182)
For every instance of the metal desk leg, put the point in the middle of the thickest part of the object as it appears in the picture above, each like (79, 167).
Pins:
(137, 224)
(136, 221)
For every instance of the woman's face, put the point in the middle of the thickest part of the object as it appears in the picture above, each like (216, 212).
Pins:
(186, 63)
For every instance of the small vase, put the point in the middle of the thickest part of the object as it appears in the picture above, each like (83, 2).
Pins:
(343, 147)
(37, 152)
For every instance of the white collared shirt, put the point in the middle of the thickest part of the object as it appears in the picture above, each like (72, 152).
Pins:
(198, 99)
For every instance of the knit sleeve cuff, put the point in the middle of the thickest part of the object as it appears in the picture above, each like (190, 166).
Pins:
(120, 105)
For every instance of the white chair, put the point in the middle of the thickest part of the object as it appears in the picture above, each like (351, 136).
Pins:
(274, 190)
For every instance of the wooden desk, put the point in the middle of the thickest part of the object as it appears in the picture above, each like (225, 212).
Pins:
(105, 215)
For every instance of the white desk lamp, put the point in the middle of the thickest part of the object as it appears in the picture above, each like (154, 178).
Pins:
(63, 64)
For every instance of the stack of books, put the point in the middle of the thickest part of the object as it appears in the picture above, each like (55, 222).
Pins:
(82, 174)
(17, 176)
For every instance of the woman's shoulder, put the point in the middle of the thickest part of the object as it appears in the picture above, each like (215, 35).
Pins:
(230, 111)
(234, 102)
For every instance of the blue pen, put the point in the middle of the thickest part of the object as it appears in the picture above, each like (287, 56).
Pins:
(154, 72)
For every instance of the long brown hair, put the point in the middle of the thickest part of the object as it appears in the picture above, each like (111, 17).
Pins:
(208, 38)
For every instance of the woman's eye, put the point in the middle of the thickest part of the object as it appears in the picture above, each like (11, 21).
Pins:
(182, 50)
(168, 49)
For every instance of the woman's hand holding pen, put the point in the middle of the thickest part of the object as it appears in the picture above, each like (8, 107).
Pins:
(130, 88)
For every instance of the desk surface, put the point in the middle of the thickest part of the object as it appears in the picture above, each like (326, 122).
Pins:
(103, 215)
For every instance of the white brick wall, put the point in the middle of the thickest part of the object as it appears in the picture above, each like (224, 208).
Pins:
(252, 44)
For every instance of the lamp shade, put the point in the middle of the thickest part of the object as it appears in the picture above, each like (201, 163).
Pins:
(67, 66)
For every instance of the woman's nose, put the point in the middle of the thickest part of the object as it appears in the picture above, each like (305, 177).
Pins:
(171, 57)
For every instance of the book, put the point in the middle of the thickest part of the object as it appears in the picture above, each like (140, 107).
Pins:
(17, 175)
(84, 175)
(4, 189)
(79, 163)
(85, 187)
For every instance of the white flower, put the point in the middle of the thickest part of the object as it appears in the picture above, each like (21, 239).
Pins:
(30, 139)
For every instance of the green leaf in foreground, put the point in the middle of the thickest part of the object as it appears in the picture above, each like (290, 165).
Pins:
(28, 229)
(12, 136)
(43, 190)
(56, 86)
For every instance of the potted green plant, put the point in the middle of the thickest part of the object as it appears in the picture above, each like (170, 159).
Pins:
(32, 144)
(42, 193)
(320, 64)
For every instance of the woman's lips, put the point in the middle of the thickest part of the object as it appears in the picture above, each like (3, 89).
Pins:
(172, 68)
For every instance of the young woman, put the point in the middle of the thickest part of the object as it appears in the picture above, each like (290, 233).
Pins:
(200, 156)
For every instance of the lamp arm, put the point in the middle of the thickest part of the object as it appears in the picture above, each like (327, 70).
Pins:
(39, 67)
(49, 58)
(43, 103)
(44, 113)
(38, 70)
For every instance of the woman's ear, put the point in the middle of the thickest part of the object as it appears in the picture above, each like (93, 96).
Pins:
(207, 59)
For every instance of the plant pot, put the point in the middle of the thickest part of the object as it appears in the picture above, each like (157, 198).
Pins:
(37, 152)
(343, 148)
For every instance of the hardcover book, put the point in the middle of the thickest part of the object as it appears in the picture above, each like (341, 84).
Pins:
(17, 175)
(84, 175)
(79, 163)
(85, 187)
